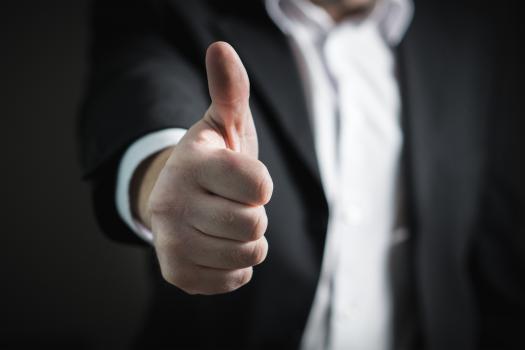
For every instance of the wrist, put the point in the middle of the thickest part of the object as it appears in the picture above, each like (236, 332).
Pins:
(142, 183)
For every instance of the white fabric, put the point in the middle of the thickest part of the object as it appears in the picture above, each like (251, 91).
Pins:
(349, 78)
(139, 151)
(348, 75)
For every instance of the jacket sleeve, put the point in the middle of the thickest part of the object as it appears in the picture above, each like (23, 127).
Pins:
(144, 76)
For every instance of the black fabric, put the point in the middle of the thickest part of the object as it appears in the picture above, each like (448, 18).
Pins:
(459, 279)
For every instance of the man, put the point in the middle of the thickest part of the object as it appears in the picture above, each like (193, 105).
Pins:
(361, 245)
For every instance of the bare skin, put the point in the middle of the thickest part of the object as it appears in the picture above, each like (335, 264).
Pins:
(204, 199)
(341, 9)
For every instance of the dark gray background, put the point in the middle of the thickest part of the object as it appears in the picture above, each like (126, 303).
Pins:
(62, 282)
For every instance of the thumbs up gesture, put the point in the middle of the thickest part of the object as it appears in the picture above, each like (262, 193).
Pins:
(205, 205)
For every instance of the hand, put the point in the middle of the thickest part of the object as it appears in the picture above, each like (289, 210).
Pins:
(206, 207)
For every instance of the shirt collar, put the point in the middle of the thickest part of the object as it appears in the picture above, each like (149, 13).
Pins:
(393, 17)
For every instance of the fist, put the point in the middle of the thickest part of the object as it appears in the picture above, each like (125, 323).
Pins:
(206, 208)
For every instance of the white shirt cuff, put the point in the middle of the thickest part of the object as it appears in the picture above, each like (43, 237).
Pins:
(134, 155)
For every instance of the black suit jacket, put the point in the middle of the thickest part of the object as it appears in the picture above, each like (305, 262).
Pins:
(459, 279)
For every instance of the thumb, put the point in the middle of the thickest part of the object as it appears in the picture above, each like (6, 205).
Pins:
(229, 89)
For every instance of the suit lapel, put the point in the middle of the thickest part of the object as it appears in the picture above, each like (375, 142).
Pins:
(274, 76)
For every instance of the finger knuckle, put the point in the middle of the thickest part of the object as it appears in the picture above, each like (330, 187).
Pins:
(263, 185)
(245, 276)
(258, 252)
(236, 279)
(258, 223)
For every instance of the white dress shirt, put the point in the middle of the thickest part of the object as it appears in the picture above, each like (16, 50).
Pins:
(348, 74)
